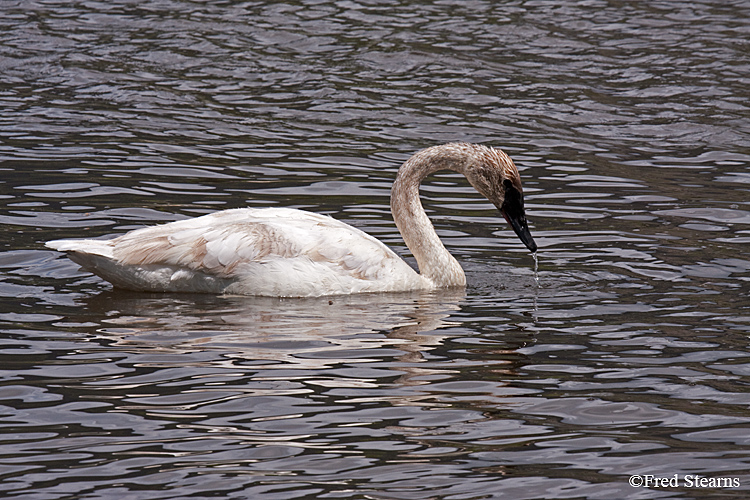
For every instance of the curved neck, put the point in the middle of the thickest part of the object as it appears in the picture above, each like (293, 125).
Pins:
(435, 263)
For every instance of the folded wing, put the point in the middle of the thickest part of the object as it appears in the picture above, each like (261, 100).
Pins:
(277, 252)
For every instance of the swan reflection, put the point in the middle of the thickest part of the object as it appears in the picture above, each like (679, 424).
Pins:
(272, 332)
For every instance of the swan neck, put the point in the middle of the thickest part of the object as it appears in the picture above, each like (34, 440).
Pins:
(436, 264)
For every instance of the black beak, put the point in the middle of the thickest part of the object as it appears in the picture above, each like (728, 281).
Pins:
(512, 210)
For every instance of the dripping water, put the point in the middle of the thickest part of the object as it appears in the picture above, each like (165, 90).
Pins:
(536, 283)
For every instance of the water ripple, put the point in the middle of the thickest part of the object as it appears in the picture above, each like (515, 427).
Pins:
(623, 352)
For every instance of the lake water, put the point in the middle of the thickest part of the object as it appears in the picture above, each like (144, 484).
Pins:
(620, 368)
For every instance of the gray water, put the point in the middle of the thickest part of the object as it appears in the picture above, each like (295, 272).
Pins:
(621, 361)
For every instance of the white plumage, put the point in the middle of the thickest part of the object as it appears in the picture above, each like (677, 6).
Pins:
(285, 252)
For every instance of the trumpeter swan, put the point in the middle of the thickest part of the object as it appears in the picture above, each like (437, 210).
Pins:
(284, 252)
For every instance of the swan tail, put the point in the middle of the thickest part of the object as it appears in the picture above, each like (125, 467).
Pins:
(101, 248)
(97, 257)
(94, 256)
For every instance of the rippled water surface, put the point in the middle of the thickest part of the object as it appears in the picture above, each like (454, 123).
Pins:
(624, 355)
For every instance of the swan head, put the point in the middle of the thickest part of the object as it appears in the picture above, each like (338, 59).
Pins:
(490, 171)
(494, 175)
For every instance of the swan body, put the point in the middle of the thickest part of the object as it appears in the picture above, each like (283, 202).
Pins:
(283, 252)
(278, 252)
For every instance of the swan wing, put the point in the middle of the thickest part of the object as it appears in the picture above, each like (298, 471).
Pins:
(278, 252)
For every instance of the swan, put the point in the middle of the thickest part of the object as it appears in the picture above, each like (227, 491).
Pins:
(283, 252)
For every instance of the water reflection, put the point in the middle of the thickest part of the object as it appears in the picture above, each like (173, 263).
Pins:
(290, 333)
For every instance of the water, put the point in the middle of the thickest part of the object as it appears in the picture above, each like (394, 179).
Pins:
(623, 353)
